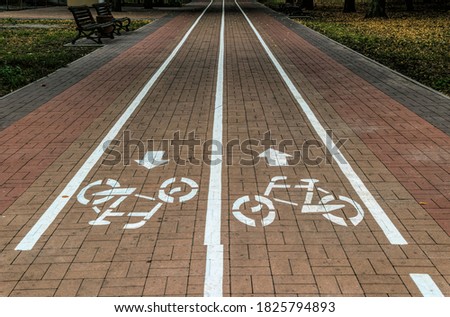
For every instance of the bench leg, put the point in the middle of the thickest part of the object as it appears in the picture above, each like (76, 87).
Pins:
(76, 39)
(96, 39)
(118, 27)
(127, 25)
(94, 35)
(85, 35)
(101, 33)
(122, 25)
(90, 36)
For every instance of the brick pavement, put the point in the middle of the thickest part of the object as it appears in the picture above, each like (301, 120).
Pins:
(400, 157)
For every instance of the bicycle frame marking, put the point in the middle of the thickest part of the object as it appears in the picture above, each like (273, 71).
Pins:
(324, 206)
(120, 194)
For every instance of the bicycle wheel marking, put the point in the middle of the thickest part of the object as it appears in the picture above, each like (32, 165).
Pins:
(389, 229)
(44, 222)
(262, 201)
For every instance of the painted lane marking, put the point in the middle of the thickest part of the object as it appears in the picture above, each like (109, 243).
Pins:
(145, 215)
(426, 285)
(323, 207)
(275, 157)
(152, 159)
(214, 249)
(169, 199)
(115, 192)
(286, 202)
(391, 232)
(63, 198)
(120, 194)
(272, 184)
(261, 200)
(144, 197)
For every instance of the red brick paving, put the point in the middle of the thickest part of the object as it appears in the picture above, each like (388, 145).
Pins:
(401, 158)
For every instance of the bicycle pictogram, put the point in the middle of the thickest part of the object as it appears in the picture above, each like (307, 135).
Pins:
(327, 205)
(105, 202)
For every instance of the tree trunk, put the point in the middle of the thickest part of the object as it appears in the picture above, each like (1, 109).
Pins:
(350, 6)
(409, 5)
(116, 5)
(148, 4)
(308, 4)
(377, 9)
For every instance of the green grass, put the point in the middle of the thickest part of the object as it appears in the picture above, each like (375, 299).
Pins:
(415, 44)
(27, 54)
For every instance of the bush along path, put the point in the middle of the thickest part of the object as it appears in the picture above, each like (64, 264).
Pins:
(32, 49)
(414, 44)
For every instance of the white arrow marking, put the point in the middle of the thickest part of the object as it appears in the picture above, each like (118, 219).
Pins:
(152, 159)
(275, 157)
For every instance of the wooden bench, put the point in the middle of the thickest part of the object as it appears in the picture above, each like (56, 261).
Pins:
(88, 27)
(104, 10)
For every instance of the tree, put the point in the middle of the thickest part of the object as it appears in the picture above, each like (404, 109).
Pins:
(116, 5)
(308, 4)
(349, 6)
(409, 5)
(377, 9)
(148, 4)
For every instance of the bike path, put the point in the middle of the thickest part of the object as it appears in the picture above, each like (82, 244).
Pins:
(326, 258)
(149, 226)
(75, 259)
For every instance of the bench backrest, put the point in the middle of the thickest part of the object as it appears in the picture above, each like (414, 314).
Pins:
(82, 16)
(102, 9)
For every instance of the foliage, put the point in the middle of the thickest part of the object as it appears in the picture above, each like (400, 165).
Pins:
(274, 4)
(31, 49)
(416, 44)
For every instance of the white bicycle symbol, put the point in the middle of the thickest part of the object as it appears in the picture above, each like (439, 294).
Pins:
(117, 195)
(325, 206)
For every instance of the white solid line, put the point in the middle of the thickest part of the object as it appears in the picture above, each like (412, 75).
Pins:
(214, 249)
(426, 285)
(63, 198)
(389, 229)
